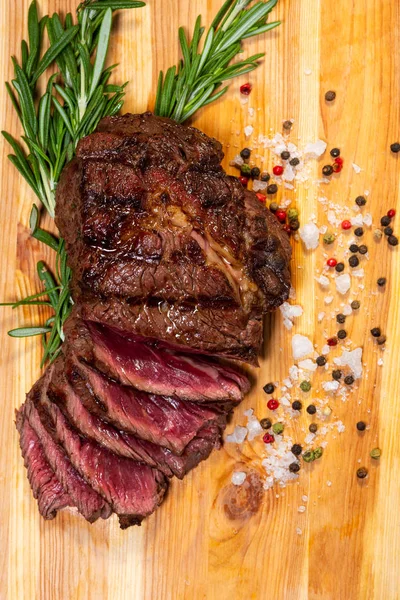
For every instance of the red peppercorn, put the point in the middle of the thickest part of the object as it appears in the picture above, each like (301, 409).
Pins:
(245, 89)
(277, 170)
(261, 197)
(272, 404)
(346, 224)
(332, 341)
(391, 213)
(286, 228)
(243, 180)
(331, 262)
(268, 438)
(338, 161)
(281, 215)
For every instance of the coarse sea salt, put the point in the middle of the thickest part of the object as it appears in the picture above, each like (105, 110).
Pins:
(325, 349)
(328, 299)
(309, 234)
(238, 477)
(323, 281)
(315, 149)
(358, 273)
(343, 283)
(367, 220)
(330, 386)
(321, 316)
(357, 221)
(353, 360)
(253, 427)
(347, 310)
(248, 130)
(301, 346)
(356, 168)
(308, 365)
(259, 186)
(238, 436)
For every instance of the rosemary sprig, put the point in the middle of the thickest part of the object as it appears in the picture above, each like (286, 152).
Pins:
(74, 101)
(195, 81)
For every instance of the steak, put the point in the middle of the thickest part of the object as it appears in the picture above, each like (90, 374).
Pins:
(159, 237)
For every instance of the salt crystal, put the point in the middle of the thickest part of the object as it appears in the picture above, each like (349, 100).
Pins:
(329, 483)
(343, 283)
(325, 349)
(340, 426)
(347, 310)
(330, 386)
(251, 112)
(238, 161)
(248, 130)
(357, 221)
(238, 477)
(367, 220)
(321, 316)
(309, 233)
(301, 509)
(323, 229)
(380, 362)
(307, 71)
(287, 382)
(249, 412)
(244, 99)
(304, 498)
(288, 186)
(352, 360)
(294, 373)
(323, 281)
(288, 174)
(328, 299)
(315, 149)
(254, 428)
(298, 531)
(285, 400)
(238, 436)
(259, 186)
(356, 168)
(301, 346)
(308, 365)
(288, 323)
(358, 273)
(292, 293)
(290, 311)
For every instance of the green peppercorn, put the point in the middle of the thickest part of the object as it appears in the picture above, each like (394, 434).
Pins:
(329, 237)
(359, 231)
(313, 428)
(381, 281)
(336, 374)
(278, 428)
(375, 453)
(269, 388)
(335, 152)
(385, 220)
(255, 172)
(297, 405)
(361, 426)
(349, 380)
(353, 248)
(318, 452)
(245, 170)
(294, 224)
(309, 456)
(285, 155)
(342, 334)
(340, 318)
(294, 467)
(355, 305)
(321, 361)
(327, 170)
(375, 332)
(305, 386)
(292, 213)
(265, 423)
(265, 176)
(381, 339)
(245, 153)
(296, 449)
(393, 240)
(273, 207)
(294, 162)
(362, 473)
(272, 189)
(287, 125)
(339, 267)
(354, 261)
(363, 249)
(378, 234)
(311, 409)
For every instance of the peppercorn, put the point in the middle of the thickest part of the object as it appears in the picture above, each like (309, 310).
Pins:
(381, 339)
(362, 472)
(305, 386)
(375, 453)
(265, 423)
(340, 318)
(265, 176)
(281, 215)
(245, 89)
(268, 438)
(297, 405)
(361, 201)
(245, 170)
(359, 231)
(363, 249)
(342, 334)
(395, 147)
(361, 426)
(269, 388)
(294, 224)
(327, 170)
(388, 231)
(391, 213)
(321, 361)
(385, 220)
(292, 213)
(311, 409)
(272, 404)
(294, 162)
(332, 341)
(285, 155)
(354, 261)
(381, 281)
(331, 262)
(313, 428)
(318, 452)
(245, 153)
(375, 331)
(309, 456)
(273, 207)
(336, 374)
(287, 125)
(355, 305)
(243, 180)
(296, 449)
(294, 467)
(393, 240)
(255, 172)
(378, 234)
(339, 267)
(278, 428)
(272, 188)
(335, 152)
(353, 248)
(346, 224)
(286, 228)
(330, 96)
(261, 197)
(349, 380)
(329, 237)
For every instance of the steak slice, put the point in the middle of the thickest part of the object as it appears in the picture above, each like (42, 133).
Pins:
(46, 488)
(89, 503)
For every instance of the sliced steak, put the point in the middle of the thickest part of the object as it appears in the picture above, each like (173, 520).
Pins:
(46, 488)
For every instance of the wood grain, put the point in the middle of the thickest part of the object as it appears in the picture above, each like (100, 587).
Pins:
(200, 544)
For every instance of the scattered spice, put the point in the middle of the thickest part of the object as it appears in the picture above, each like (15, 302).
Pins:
(243, 180)
(278, 428)
(355, 305)
(342, 334)
(269, 388)
(391, 213)
(329, 237)
(265, 423)
(339, 267)
(332, 341)
(361, 426)
(363, 249)
(359, 231)
(305, 386)
(362, 473)
(294, 467)
(287, 125)
(327, 170)
(296, 449)
(335, 152)
(285, 155)
(336, 374)
(265, 176)
(330, 96)
(331, 262)
(292, 213)
(273, 207)
(321, 361)
(268, 438)
(245, 89)
(393, 240)
(349, 380)
(378, 234)
(245, 153)
(388, 230)
(277, 170)
(297, 405)
(311, 409)
(354, 261)
(272, 404)
(361, 201)
(375, 332)
(261, 197)
(272, 188)
(385, 221)
(281, 215)
(294, 162)
(245, 170)
(313, 428)
(375, 453)
(340, 318)
(381, 281)
(255, 172)
(346, 224)
(309, 456)
(353, 248)
(381, 339)
(395, 147)
(294, 224)
(318, 452)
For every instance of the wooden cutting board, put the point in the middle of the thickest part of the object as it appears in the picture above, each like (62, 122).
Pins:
(209, 539)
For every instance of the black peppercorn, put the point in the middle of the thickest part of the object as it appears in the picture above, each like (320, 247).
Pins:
(287, 125)
(341, 334)
(349, 380)
(245, 153)
(335, 152)
(362, 472)
(265, 423)
(359, 231)
(327, 170)
(330, 96)
(336, 374)
(340, 318)
(321, 361)
(273, 207)
(363, 249)
(361, 426)
(361, 201)
(354, 261)
(375, 332)
(269, 388)
(272, 188)
(381, 281)
(285, 155)
(313, 428)
(381, 339)
(393, 241)
(265, 176)
(294, 162)
(255, 172)
(294, 467)
(395, 147)
(388, 230)
(296, 449)
(353, 248)
(297, 405)
(294, 224)
(339, 267)
(355, 305)
(311, 409)
(385, 221)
